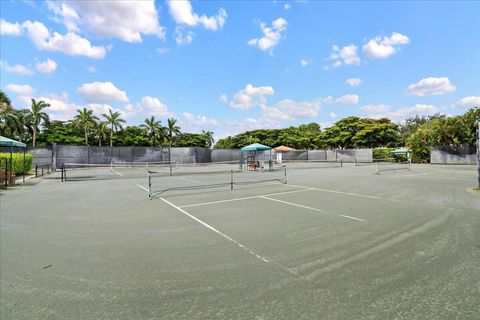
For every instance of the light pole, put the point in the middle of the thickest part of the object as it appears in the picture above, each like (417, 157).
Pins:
(478, 151)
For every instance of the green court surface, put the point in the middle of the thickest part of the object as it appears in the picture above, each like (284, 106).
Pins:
(332, 243)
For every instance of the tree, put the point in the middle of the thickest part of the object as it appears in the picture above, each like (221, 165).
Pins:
(7, 115)
(172, 131)
(113, 119)
(85, 119)
(100, 131)
(208, 136)
(24, 124)
(153, 129)
(38, 116)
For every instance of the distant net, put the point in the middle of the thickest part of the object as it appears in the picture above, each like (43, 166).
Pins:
(359, 163)
(310, 164)
(383, 166)
(183, 180)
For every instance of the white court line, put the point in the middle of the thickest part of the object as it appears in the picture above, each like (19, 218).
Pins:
(264, 259)
(310, 208)
(340, 192)
(141, 187)
(240, 199)
(120, 174)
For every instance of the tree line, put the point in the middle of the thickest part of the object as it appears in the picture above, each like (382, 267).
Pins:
(33, 126)
(418, 133)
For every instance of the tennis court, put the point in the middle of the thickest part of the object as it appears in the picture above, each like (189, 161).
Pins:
(321, 241)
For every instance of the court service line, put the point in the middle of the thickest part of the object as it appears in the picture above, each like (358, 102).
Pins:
(119, 173)
(141, 187)
(339, 192)
(241, 246)
(240, 199)
(311, 208)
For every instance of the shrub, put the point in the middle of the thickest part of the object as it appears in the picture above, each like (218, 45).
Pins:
(382, 153)
(18, 165)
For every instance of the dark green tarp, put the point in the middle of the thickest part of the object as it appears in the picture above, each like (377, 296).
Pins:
(6, 142)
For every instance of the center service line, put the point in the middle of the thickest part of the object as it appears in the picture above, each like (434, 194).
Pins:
(310, 208)
(229, 238)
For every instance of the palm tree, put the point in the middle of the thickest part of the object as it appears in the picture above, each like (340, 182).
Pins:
(172, 130)
(153, 129)
(208, 136)
(38, 116)
(85, 119)
(7, 114)
(100, 131)
(113, 119)
(24, 123)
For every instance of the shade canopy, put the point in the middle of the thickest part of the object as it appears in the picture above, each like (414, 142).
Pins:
(283, 148)
(6, 142)
(401, 151)
(256, 147)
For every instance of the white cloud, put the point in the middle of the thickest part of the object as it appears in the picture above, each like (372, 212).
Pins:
(287, 110)
(48, 66)
(347, 99)
(153, 106)
(70, 43)
(271, 35)
(468, 102)
(384, 111)
(92, 69)
(223, 98)
(381, 48)
(163, 50)
(10, 29)
(124, 20)
(375, 108)
(182, 36)
(103, 108)
(197, 123)
(304, 62)
(250, 97)
(19, 69)
(182, 12)
(354, 82)
(332, 115)
(345, 55)
(287, 6)
(431, 86)
(22, 89)
(101, 92)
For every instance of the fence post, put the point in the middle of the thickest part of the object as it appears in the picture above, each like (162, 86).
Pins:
(231, 179)
(54, 156)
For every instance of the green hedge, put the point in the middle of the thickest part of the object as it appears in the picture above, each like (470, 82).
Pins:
(18, 162)
(382, 153)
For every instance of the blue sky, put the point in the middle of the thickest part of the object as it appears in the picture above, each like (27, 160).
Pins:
(234, 66)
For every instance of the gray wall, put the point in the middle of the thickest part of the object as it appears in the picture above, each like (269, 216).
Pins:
(225, 155)
(60, 154)
(453, 155)
(41, 156)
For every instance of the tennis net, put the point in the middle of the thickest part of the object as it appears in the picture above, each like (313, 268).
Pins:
(125, 170)
(382, 166)
(310, 164)
(160, 182)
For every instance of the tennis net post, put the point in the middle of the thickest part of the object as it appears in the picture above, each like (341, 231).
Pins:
(149, 185)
